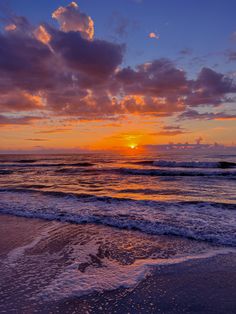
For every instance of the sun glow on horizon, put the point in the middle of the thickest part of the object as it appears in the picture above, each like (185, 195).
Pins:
(133, 146)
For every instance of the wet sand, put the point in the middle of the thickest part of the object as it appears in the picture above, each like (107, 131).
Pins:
(197, 286)
(203, 286)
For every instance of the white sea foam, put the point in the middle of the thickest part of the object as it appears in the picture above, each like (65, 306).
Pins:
(14, 255)
(112, 275)
(200, 220)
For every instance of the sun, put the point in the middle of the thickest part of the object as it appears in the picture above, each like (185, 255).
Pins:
(133, 146)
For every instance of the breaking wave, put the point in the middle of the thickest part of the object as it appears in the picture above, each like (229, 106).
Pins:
(204, 221)
(184, 164)
(178, 172)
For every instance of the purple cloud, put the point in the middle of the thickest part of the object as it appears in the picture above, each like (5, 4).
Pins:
(66, 73)
(210, 88)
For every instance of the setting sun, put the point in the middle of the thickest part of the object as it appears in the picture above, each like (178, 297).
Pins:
(133, 146)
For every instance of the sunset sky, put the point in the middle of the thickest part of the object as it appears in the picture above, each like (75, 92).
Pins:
(112, 74)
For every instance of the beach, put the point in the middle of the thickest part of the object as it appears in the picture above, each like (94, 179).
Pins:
(32, 259)
(117, 234)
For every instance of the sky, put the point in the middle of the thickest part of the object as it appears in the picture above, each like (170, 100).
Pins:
(96, 75)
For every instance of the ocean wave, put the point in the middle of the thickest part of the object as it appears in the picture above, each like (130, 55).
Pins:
(26, 161)
(204, 221)
(5, 172)
(177, 172)
(32, 164)
(186, 164)
(150, 191)
(33, 189)
(168, 172)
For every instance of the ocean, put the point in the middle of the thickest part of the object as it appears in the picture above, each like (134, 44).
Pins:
(111, 218)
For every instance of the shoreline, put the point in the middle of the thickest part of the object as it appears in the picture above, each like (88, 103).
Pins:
(198, 285)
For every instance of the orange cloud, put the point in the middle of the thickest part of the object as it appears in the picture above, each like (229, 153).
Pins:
(20, 101)
(233, 117)
(42, 35)
(153, 35)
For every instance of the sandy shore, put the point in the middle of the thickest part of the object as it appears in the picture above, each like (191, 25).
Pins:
(197, 286)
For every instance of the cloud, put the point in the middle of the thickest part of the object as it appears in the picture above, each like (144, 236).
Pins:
(153, 35)
(210, 88)
(97, 58)
(62, 73)
(170, 131)
(42, 35)
(20, 101)
(54, 131)
(191, 114)
(160, 78)
(36, 139)
(71, 19)
(16, 24)
(157, 87)
(10, 27)
(25, 62)
(71, 77)
(6, 120)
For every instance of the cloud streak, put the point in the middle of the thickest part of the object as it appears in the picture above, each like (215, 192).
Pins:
(170, 131)
(24, 120)
(191, 114)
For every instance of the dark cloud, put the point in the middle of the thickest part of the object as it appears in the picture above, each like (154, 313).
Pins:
(25, 63)
(157, 78)
(159, 85)
(210, 88)
(96, 58)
